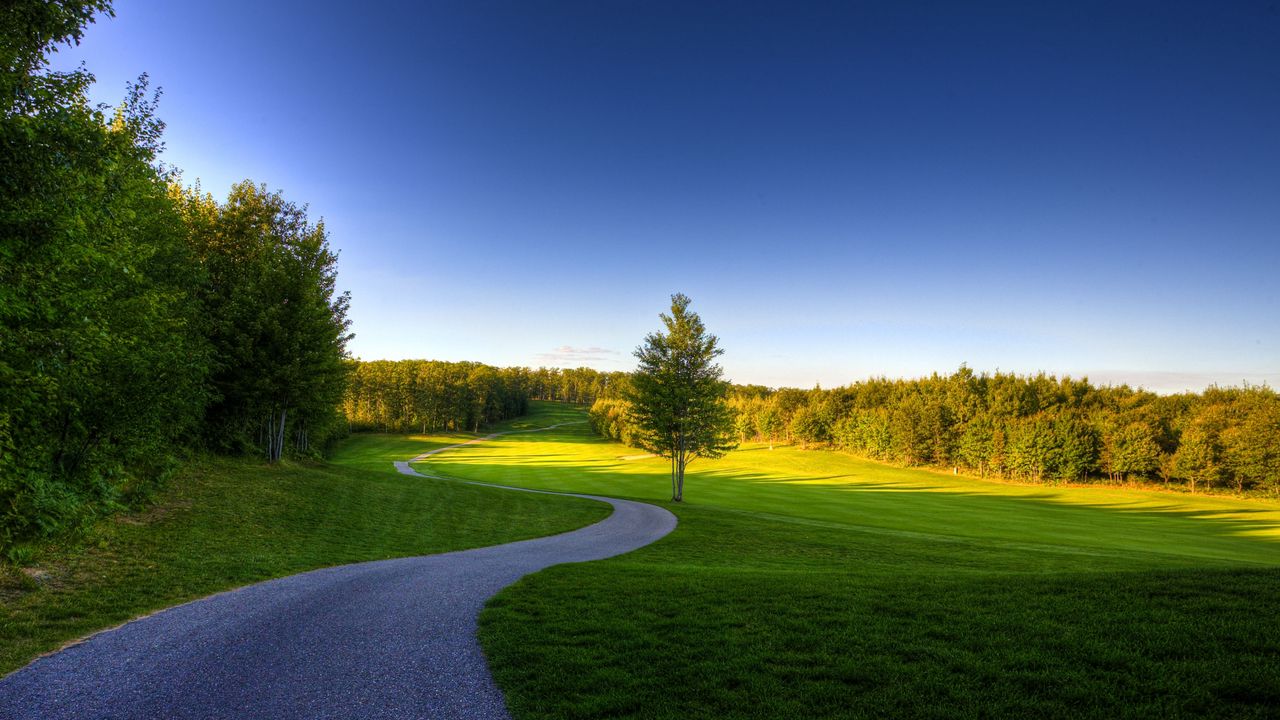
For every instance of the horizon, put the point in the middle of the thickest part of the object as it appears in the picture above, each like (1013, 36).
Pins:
(844, 192)
(1101, 380)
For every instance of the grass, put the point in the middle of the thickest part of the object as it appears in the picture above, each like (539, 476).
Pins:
(812, 584)
(226, 523)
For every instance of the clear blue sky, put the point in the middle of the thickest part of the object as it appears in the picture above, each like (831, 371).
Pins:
(844, 190)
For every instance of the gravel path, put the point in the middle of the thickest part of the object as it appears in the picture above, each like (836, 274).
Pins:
(385, 639)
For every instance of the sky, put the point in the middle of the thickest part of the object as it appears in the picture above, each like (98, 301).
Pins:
(844, 190)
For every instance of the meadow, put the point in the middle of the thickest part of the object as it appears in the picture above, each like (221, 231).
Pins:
(813, 584)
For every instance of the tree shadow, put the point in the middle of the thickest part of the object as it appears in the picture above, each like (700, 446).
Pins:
(1213, 529)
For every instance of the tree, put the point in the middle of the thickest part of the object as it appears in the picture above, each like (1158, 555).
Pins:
(976, 444)
(677, 394)
(1199, 455)
(1136, 451)
(768, 422)
(276, 323)
(1251, 445)
(807, 426)
(744, 425)
(102, 365)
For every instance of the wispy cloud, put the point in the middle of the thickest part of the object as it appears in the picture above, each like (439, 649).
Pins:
(568, 355)
(1173, 382)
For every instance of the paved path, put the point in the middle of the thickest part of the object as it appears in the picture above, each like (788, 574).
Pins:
(385, 639)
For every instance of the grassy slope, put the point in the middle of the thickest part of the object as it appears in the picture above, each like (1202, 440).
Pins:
(811, 584)
(226, 523)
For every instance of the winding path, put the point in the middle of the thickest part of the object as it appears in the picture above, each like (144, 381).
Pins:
(384, 639)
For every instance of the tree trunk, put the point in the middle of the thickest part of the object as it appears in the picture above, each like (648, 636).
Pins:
(278, 447)
(680, 463)
(674, 498)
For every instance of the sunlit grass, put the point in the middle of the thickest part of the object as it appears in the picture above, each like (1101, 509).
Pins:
(832, 487)
(811, 584)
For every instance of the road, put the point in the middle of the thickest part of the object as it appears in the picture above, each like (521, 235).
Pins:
(385, 639)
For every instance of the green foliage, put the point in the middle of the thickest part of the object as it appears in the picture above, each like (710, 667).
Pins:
(277, 326)
(611, 418)
(101, 360)
(677, 394)
(29, 31)
(120, 295)
(809, 425)
(1035, 428)
(430, 395)
(575, 385)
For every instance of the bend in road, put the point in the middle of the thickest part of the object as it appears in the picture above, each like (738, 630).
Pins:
(384, 639)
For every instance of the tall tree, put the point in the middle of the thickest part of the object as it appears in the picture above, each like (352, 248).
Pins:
(678, 394)
(277, 325)
(101, 362)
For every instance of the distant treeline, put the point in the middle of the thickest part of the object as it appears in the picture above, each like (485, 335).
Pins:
(427, 395)
(138, 316)
(1036, 428)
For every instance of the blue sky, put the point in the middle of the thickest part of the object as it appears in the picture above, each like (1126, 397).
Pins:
(844, 190)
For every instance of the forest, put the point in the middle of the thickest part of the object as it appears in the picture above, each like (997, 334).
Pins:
(1036, 428)
(427, 395)
(140, 317)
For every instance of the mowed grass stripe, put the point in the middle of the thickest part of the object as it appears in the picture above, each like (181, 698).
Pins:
(838, 488)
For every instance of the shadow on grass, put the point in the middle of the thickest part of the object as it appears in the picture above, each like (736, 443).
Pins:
(1047, 516)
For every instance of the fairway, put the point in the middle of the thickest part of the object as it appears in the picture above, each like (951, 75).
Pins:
(812, 584)
(818, 488)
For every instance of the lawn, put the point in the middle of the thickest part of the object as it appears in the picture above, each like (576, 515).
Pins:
(225, 523)
(812, 584)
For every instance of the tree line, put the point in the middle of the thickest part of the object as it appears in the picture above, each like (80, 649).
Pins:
(574, 385)
(429, 395)
(138, 316)
(1036, 428)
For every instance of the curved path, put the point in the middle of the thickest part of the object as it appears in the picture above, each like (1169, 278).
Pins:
(384, 639)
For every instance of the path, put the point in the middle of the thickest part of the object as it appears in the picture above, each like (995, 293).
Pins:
(385, 639)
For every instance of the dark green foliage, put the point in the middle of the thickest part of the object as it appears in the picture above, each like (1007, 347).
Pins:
(29, 31)
(120, 293)
(576, 385)
(1036, 428)
(276, 324)
(810, 425)
(427, 395)
(677, 396)
(101, 361)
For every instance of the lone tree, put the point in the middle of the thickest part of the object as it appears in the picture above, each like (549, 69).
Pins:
(677, 395)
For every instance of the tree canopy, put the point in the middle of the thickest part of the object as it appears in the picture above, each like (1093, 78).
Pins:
(1036, 428)
(136, 317)
(275, 321)
(677, 393)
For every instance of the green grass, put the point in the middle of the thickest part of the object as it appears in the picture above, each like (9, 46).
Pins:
(812, 584)
(226, 523)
